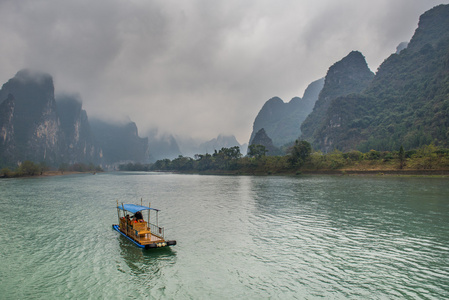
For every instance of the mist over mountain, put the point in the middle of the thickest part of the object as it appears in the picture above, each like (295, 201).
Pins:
(74, 123)
(282, 121)
(407, 102)
(226, 141)
(34, 128)
(190, 147)
(120, 143)
(401, 47)
(162, 145)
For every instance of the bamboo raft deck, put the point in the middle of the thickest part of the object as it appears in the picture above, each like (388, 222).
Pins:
(140, 232)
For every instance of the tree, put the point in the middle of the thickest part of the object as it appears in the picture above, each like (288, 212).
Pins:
(28, 168)
(5, 173)
(163, 164)
(257, 151)
(205, 161)
(299, 153)
(182, 163)
(43, 167)
(401, 157)
(63, 167)
(232, 153)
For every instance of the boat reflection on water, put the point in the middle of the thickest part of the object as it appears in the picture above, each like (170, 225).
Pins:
(138, 262)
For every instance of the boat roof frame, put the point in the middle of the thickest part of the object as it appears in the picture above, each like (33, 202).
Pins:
(133, 208)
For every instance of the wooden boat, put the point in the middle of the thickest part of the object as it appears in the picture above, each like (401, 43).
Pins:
(140, 231)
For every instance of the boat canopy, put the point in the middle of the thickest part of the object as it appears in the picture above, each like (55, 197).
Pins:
(133, 208)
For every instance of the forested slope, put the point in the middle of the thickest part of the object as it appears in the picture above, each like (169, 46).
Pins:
(406, 104)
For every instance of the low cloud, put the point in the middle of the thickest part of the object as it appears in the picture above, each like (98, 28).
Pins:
(196, 68)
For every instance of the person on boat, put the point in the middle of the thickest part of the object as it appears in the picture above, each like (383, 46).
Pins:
(138, 216)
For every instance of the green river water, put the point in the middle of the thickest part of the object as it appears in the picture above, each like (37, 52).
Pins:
(239, 237)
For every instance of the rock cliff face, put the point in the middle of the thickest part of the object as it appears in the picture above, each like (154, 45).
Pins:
(35, 126)
(30, 124)
(79, 140)
(282, 121)
(7, 140)
(350, 75)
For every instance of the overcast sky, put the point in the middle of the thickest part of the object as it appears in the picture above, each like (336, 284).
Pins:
(200, 67)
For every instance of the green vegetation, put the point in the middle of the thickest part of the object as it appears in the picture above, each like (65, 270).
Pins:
(349, 75)
(29, 168)
(407, 102)
(301, 159)
(257, 151)
(299, 153)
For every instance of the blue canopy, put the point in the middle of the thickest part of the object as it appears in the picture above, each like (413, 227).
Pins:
(133, 208)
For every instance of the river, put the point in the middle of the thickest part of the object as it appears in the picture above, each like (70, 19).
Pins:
(239, 237)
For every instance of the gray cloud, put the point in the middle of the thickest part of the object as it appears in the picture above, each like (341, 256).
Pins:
(196, 68)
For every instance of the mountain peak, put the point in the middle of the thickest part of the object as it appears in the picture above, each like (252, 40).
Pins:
(433, 27)
(349, 75)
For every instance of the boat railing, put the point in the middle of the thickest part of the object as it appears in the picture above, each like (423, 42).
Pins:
(156, 230)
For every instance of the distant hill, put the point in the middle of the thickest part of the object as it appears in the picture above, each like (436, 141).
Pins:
(37, 127)
(120, 143)
(407, 102)
(189, 147)
(261, 138)
(281, 121)
(162, 145)
(222, 141)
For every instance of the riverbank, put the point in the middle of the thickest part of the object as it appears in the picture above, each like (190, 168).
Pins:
(47, 174)
(382, 172)
(31, 169)
(342, 172)
(60, 173)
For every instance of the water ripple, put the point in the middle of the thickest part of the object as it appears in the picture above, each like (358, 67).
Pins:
(238, 237)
